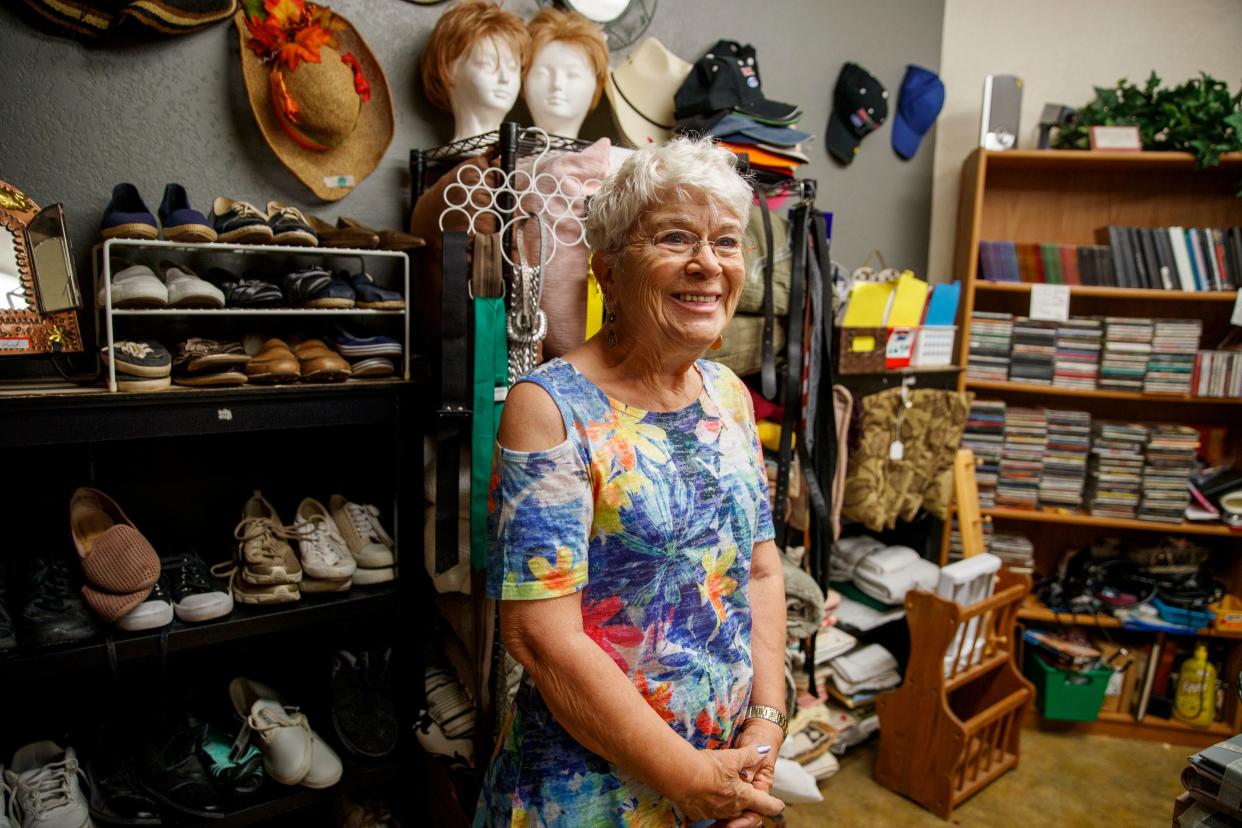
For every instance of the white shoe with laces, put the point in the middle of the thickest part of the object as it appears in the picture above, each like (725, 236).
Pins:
(359, 524)
(293, 753)
(5, 796)
(45, 792)
(323, 551)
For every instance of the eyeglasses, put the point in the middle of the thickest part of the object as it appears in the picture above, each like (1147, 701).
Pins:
(683, 243)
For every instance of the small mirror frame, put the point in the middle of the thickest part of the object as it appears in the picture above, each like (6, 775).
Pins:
(26, 332)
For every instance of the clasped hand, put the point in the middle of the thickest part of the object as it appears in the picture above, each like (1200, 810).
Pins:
(735, 787)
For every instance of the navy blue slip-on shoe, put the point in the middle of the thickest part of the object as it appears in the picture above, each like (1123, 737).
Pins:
(289, 226)
(301, 285)
(371, 295)
(245, 291)
(127, 217)
(181, 222)
(239, 222)
(364, 346)
(336, 294)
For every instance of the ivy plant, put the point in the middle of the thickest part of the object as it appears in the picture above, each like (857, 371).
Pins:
(1199, 117)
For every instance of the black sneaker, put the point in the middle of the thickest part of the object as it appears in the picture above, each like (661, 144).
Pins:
(154, 612)
(173, 773)
(364, 714)
(239, 222)
(245, 291)
(8, 640)
(289, 226)
(115, 795)
(52, 612)
(301, 285)
(196, 595)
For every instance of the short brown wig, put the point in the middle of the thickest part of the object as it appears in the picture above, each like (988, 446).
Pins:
(553, 24)
(456, 33)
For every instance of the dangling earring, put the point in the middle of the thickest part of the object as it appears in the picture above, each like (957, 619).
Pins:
(612, 329)
(718, 344)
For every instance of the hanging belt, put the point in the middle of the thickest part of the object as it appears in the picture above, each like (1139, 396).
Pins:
(491, 368)
(822, 465)
(767, 368)
(791, 394)
(454, 411)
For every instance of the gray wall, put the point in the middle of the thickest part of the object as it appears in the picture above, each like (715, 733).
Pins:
(79, 119)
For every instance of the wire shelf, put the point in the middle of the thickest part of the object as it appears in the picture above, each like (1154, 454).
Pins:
(478, 144)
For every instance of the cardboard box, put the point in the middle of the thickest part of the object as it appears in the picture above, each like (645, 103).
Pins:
(1120, 690)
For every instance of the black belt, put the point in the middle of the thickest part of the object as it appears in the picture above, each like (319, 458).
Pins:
(454, 411)
(767, 370)
(822, 465)
(792, 392)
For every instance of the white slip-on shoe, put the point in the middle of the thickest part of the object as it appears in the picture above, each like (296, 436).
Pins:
(136, 286)
(359, 525)
(186, 289)
(323, 551)
(46, 792)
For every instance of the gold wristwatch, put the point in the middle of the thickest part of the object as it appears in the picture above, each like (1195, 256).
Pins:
(759, 711)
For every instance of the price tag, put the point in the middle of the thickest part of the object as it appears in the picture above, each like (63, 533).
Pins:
(1236, 318)
(1050, 302)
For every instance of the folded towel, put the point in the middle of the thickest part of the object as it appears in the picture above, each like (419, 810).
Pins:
(863, 663)
(804, 602)
(885, 680)
(887, 560)
(891, 588)
(831, 643)
(847, 552)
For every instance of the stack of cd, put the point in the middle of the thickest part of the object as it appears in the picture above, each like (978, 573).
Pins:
(955, 539)
(1078, 353)
(1016, 552)
(1065, 458)
(985, 436)
(1171, 366)
(991, 335)
(1026, 435)
(1034, 351)
(1171, 451)
(1127, 344)
(1116, 469)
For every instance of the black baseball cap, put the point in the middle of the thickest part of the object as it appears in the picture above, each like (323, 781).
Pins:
(859, 107)
(726, 79)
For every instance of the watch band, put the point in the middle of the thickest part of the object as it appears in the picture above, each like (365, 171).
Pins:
(759, 711)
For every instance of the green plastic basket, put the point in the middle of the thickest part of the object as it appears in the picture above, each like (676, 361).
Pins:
(1065, 695)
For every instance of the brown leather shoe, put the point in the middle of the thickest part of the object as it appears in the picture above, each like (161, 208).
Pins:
(388, 239)
(273, 363)
(319, 363)
(361, 238)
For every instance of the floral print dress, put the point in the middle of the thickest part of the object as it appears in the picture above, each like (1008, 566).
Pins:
(652, 515)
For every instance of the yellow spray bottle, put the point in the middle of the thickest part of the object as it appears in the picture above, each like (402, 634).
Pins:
(1195, 701)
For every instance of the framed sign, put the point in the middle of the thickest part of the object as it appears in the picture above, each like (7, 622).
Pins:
(1115, 139)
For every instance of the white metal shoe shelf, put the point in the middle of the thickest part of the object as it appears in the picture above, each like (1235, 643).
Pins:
(391, 266)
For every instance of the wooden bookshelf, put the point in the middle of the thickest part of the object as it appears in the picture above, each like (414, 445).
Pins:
(1066, 197)
(1034, 611)
(1080, 519)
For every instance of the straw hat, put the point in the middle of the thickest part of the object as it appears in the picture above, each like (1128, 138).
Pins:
(641, 92)
(339, 138)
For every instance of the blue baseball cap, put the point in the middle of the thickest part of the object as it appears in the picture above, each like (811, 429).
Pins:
(735, 125)
(918, 105)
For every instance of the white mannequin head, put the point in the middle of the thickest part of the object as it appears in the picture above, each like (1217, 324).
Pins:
(559, 88)
(486, 81)
(472, 65)
(564, 76)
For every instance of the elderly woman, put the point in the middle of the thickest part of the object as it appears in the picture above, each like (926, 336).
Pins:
(632, 539)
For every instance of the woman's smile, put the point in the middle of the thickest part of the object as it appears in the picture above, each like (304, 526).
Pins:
(698, 302)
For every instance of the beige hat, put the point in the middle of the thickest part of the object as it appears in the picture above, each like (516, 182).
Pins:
(641, 92)
(354, 134)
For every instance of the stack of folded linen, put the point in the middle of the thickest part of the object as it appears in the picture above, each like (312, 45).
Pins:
(889, 573)
(847, 552)
(869, 668)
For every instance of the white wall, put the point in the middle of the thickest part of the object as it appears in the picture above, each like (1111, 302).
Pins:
(1061, 49)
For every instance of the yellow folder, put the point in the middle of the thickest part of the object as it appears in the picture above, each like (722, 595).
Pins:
(908, 302)
(868, 304)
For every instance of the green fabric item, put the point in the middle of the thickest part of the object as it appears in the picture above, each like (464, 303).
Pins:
(852, 592)
(491, 372)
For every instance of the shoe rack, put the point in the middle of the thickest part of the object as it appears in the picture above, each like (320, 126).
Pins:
(182, 465)
(390, 268)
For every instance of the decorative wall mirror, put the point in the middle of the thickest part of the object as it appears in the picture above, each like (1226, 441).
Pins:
(623, 21)
(38, 290)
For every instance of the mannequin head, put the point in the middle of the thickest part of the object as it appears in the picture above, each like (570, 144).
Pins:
(564, 75)
(472, 64)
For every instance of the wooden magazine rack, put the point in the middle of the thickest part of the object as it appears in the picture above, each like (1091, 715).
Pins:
(953, 725)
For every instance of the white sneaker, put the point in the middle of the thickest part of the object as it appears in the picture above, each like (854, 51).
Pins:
(136, 286)
(323, 551)
(186, 289)
(45, 789)
(5, 797)
(293, 754)
(359, 524)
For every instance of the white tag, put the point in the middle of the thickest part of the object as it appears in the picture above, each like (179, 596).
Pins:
(500, 394)
(1050, 302)
(1236, 317)
(340, 181)
(896, 450)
